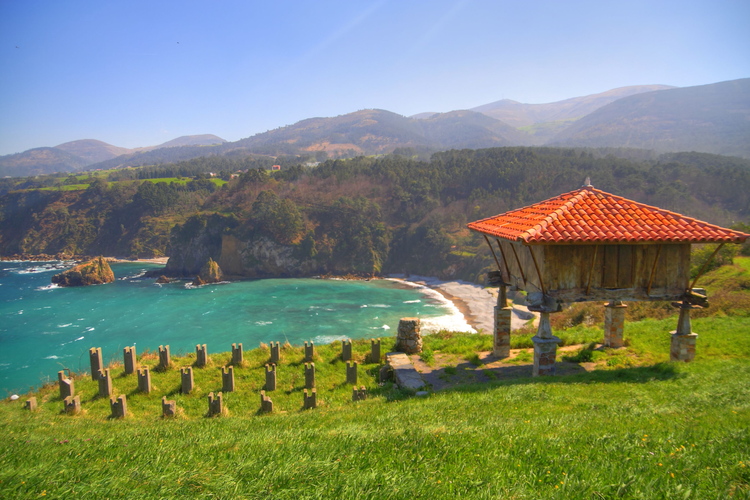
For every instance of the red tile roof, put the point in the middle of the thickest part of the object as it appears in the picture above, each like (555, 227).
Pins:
(590, 215)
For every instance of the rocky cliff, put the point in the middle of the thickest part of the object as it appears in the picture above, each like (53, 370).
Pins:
(93, 272)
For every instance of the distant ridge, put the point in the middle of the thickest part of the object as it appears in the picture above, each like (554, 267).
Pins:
(191, 140)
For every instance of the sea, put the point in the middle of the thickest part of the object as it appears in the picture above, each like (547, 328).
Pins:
(45, 328)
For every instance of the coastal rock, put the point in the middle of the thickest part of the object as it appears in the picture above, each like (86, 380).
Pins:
(211, 272)
(93, 272)
(163, 280)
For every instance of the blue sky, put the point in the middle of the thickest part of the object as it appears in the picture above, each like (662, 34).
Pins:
(137, 73)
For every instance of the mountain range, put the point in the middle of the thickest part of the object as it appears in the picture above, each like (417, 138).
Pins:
(711, 118)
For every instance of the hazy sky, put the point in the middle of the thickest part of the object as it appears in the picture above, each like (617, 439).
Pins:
(138, 73)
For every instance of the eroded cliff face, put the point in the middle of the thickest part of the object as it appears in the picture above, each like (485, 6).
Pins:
(263, 258)
(93, 272)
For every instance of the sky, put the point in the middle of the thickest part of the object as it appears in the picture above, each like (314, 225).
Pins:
(138, 73)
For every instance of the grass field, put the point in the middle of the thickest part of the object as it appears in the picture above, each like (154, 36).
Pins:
(637, 426)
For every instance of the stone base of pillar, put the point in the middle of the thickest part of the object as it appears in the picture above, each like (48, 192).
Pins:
(614, 324)
(501, 339)
(545, 355)
(682, 347)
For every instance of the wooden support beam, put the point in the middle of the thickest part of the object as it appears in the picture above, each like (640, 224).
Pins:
(520, 267)
(493, 252)
(704, 266)
(505, 259)
(653, 270)
(538, 273)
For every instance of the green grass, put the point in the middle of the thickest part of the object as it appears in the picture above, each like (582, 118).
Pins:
(84, 186)
(636, 427)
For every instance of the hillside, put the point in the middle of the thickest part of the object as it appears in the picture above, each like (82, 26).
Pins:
(517, 114)
(93, 151)
(709, 118)
(40, 161)
(191, 140)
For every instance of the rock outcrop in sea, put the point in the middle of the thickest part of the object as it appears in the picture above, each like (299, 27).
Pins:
(92, 272)
(210, 273)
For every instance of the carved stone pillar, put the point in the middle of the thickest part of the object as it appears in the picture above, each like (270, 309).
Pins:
(545, 347)
(501, 334)
(683, 339)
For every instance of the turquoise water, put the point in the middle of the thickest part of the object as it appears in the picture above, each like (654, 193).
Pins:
(44, 328)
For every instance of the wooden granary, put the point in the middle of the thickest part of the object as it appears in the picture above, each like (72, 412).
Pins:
(589, 245)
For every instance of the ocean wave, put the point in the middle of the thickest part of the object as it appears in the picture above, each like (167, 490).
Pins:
(412, 301)
(384, 327)
(65, 325)
(328, 339)
(51, 286)
(263, 323)
(90, 329)
(380, 305)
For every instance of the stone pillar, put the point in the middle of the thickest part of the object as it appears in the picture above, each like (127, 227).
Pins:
(501, 333)
(238, 358)
(168, 408)
(130, 360)
(227, 379)
(359, 394)
(275, 353)
(614, 323)
(682, 347)
(266, 405)
(309, 375)
(374, 350)
(346, 350)
(351, 373)
(309, 351)
(95, 359)
(165, 360)
(119, 406)
(408, 337)
(67, 387)
(545, 348)
(144, 380)
(310, 399)
(201, 356)
(105, 383)
(30, 403)
(186, 375)
(270, 377)
(72, 404)
(215, 404)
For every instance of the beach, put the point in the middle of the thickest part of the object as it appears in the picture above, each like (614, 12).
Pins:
(474, 301)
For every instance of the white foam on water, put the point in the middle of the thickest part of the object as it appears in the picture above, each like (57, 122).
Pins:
(263, 323)
(362, 306)
(90, 329)
(412, 301)
(65, 325)
(328, 339)
(51, 286)
(52, 357)
(380, 305)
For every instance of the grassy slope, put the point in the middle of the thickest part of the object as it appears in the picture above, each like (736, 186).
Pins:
(651, 430)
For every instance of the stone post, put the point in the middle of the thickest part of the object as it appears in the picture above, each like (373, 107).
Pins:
(215, 404)
(227, 379)
(266, 405)
(238, 358)
(374, 350)
(67, 387)
(359, 394)
(309, 351)
(309, 375)
(165, 360)
(275, 353)
(95, 359)
(30, 403)
(545, 347)
(346, 350)
(501, 333)
(72, 404)
(408, 337)
(614, 323)
(270, 377)
(186, 375)
(144, 380)
(168, 408)
(310, 399)
(201, 356)
(130, 360)
(682, 347)
(105, 383)
(119, 406)
(351, 373)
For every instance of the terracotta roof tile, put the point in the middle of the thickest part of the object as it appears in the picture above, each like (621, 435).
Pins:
(590, 215)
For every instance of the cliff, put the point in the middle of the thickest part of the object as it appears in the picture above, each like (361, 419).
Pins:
(93, 272)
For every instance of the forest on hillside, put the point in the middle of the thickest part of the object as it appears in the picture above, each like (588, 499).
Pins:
(389, 214)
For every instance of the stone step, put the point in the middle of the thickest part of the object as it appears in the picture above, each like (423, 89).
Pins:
(404, 373)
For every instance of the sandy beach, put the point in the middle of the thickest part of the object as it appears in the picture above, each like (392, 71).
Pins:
(475, 302)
